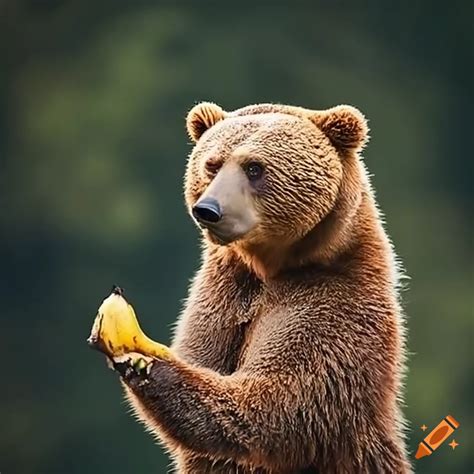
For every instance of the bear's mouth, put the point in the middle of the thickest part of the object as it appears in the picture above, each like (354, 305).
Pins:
(224, 232)
(217, 236)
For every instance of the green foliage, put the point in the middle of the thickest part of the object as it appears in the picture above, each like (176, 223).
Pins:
(93, 148)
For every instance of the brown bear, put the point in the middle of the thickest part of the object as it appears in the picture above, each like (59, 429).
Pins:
(290, 348)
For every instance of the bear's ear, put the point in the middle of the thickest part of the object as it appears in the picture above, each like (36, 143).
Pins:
(201, 117)
(344, 125)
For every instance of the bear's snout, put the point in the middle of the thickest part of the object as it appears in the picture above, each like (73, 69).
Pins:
(207, 211)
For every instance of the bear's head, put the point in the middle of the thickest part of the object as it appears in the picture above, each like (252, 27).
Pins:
(274, 182)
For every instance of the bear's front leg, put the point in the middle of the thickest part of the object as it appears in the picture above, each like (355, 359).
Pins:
(189, 463)
(247, 419)
(178, 400)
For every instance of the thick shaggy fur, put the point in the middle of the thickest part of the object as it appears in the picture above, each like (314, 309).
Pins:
(289, 351)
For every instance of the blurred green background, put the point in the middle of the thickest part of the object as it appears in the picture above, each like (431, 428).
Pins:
(92, 151)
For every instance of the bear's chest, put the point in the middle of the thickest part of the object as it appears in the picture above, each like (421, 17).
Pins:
(220, 328)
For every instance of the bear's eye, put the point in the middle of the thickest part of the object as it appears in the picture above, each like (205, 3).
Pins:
(254, 171)
(213, 166)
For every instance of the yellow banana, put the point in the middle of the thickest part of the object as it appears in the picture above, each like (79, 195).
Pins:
(116, 331)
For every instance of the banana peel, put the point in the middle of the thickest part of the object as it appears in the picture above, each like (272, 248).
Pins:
(116, 331)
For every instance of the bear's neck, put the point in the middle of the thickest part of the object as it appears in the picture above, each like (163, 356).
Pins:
(352, 227)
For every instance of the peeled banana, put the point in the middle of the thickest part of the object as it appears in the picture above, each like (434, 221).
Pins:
(116, 331)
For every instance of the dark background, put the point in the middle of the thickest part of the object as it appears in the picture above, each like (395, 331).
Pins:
(93, 96)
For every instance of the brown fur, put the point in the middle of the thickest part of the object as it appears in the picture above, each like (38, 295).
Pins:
(290, 347)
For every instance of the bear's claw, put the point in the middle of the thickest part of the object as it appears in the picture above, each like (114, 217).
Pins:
(132, 365)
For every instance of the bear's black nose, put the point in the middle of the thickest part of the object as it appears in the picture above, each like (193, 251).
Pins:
(207, 210)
